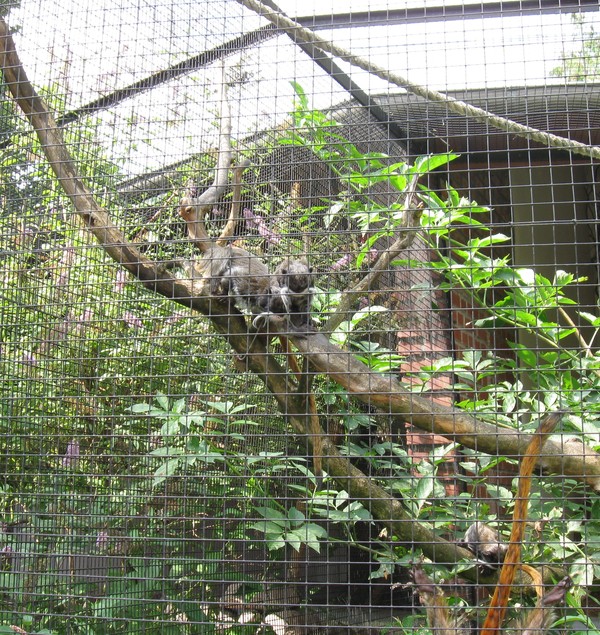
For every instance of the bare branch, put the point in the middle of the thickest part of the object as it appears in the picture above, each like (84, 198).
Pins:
(406, 234)
(194, 208)
(236, 204)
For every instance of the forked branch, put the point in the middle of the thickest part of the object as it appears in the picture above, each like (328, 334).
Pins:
(404, 237)
(194, 208)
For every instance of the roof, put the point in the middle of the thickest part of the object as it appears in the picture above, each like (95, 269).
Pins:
(571, 111)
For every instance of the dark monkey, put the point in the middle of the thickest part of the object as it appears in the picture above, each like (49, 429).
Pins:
(485, 542)
(228, 270)
(487, 545)
(293, 290)
(236, 272)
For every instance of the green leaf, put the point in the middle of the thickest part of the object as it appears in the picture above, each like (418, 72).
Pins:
(486, 241)
(166, 451)
(428, 163)
(170, 428)
(272, 514)
(269, 527)
(301, 95)
(295, 515)
(528, 357)
(140, 408)
(163, 401)
(168, 468)
(275, 543)
(295, 539)
(594, 320)
(423, 491)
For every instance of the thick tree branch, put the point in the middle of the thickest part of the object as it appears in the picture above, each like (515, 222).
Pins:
(567, 458)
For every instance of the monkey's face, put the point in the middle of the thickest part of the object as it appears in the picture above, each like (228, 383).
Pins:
(277, 302)
(294, 275)
(298, 283)
(264, 302)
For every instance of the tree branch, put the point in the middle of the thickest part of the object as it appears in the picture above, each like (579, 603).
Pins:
(568, 458)
(405, 235)
(194, 208)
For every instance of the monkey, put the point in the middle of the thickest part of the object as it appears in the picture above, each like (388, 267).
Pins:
(292, 294)
(236, 272)
(239, 273)
(294, 290)
(484, 541)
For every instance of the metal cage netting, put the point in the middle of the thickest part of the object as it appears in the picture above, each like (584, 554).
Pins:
(298, 320)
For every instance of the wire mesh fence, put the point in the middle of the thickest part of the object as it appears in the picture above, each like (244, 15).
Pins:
(298, 317)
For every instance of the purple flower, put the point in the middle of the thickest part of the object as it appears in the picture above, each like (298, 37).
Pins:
(102, 540)
(340, 264)
(120, 280)
(71, 457)
(252, 220)
(29, 359)
(132, 320)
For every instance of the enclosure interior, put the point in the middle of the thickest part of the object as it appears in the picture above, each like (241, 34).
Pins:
(152, 477)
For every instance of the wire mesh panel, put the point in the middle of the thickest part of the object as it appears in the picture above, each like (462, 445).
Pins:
(298, 317)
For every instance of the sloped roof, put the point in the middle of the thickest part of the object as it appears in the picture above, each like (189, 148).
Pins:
(572, 111)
